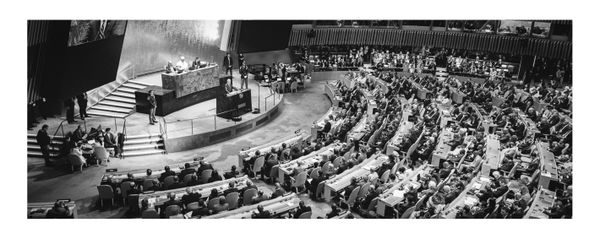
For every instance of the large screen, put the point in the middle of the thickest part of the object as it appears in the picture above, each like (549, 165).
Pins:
(150, 44)
(511, 27)
(85, 31)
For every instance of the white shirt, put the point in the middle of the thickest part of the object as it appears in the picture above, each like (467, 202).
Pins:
(182, 65)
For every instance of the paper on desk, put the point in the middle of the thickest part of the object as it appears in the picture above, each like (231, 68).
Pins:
(477, 185)
(398, 193)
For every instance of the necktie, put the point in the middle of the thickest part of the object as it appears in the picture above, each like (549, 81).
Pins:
(102, 27)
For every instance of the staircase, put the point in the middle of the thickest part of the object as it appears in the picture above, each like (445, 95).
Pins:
(120, 102)
(441, 73)
(34, 151)
(138, 145)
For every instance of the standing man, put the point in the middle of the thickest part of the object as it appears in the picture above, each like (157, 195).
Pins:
(244, 75)
(44, 141)
(228, 64)
(82, 101)
(241, 59)
(152, 105)
(70, 104)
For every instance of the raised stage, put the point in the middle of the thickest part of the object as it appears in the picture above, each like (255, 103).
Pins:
(197, 120)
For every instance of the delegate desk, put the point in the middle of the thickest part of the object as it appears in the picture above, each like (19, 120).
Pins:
(359, 130)
(276, 206)
(305, 162)
(116, 178)
(245, 155)
(403, 130)
(492, 155)
(466, 197)
(549, 169)
(442, 149)
(544, 199)
(334, 94)
(234, 104)
(394, 195)
(180, 90)
(320, 123)
(341, 181)
(156, 199)
(40, 209)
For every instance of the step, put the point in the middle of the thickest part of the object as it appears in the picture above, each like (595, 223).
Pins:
(127, 90)
(111, 109)
(34, 141)
(31, 147)
(139, 83)
(38, 154)
(143, 152)
(133, 86)
(124, 95)
(143, 141)
(135, 147)
(116, 104)
(106, 113)
(119, 99)
(142, 136)
(33, 136)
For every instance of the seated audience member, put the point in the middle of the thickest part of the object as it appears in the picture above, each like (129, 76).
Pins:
(260, 197)
(302, 209)
(133, 189)
(59, 210)
(222, 206)
(146, 206)
(188, 170)
(231, 174)
(279, 191)
(172, 201)
(110, 141)
(202, 210)
(215, 177)
(214, 193)
(149, 174)
(203, 166)
(98, 149)
(177, 184)
(231, 189)
(78, 134)
(190, 196)
(249, 185)
(194, 181)
(166, 173)
(77, 152)
(261, 213)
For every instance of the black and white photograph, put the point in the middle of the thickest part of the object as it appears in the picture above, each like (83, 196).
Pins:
(337, 120)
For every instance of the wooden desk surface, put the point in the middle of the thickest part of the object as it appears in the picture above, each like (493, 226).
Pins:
(275, 206)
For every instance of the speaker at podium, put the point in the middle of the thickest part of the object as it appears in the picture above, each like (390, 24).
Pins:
(232, 102)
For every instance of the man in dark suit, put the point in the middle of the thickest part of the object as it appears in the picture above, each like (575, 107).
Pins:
(70, 104)
(166, 173)
(203, 166)
(262, 213)
(302, 209)
(325, 128)
(44, 141)
(190, 197)
(188, 170)
(249, 185)
(228, 64)
(231, 189)
(231, 174)
(82, 101)
(110, 141)
(172, 201)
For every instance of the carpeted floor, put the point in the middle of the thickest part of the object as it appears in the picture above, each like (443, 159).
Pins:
(299, 112)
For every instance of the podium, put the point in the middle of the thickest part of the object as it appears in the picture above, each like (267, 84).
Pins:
(232, 104)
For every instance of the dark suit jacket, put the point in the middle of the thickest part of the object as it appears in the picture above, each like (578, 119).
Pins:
(302, 210)
(42, 138)
(186, 172)
(165, 174)
(327, 127)
(227, 62)
(190, 198)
